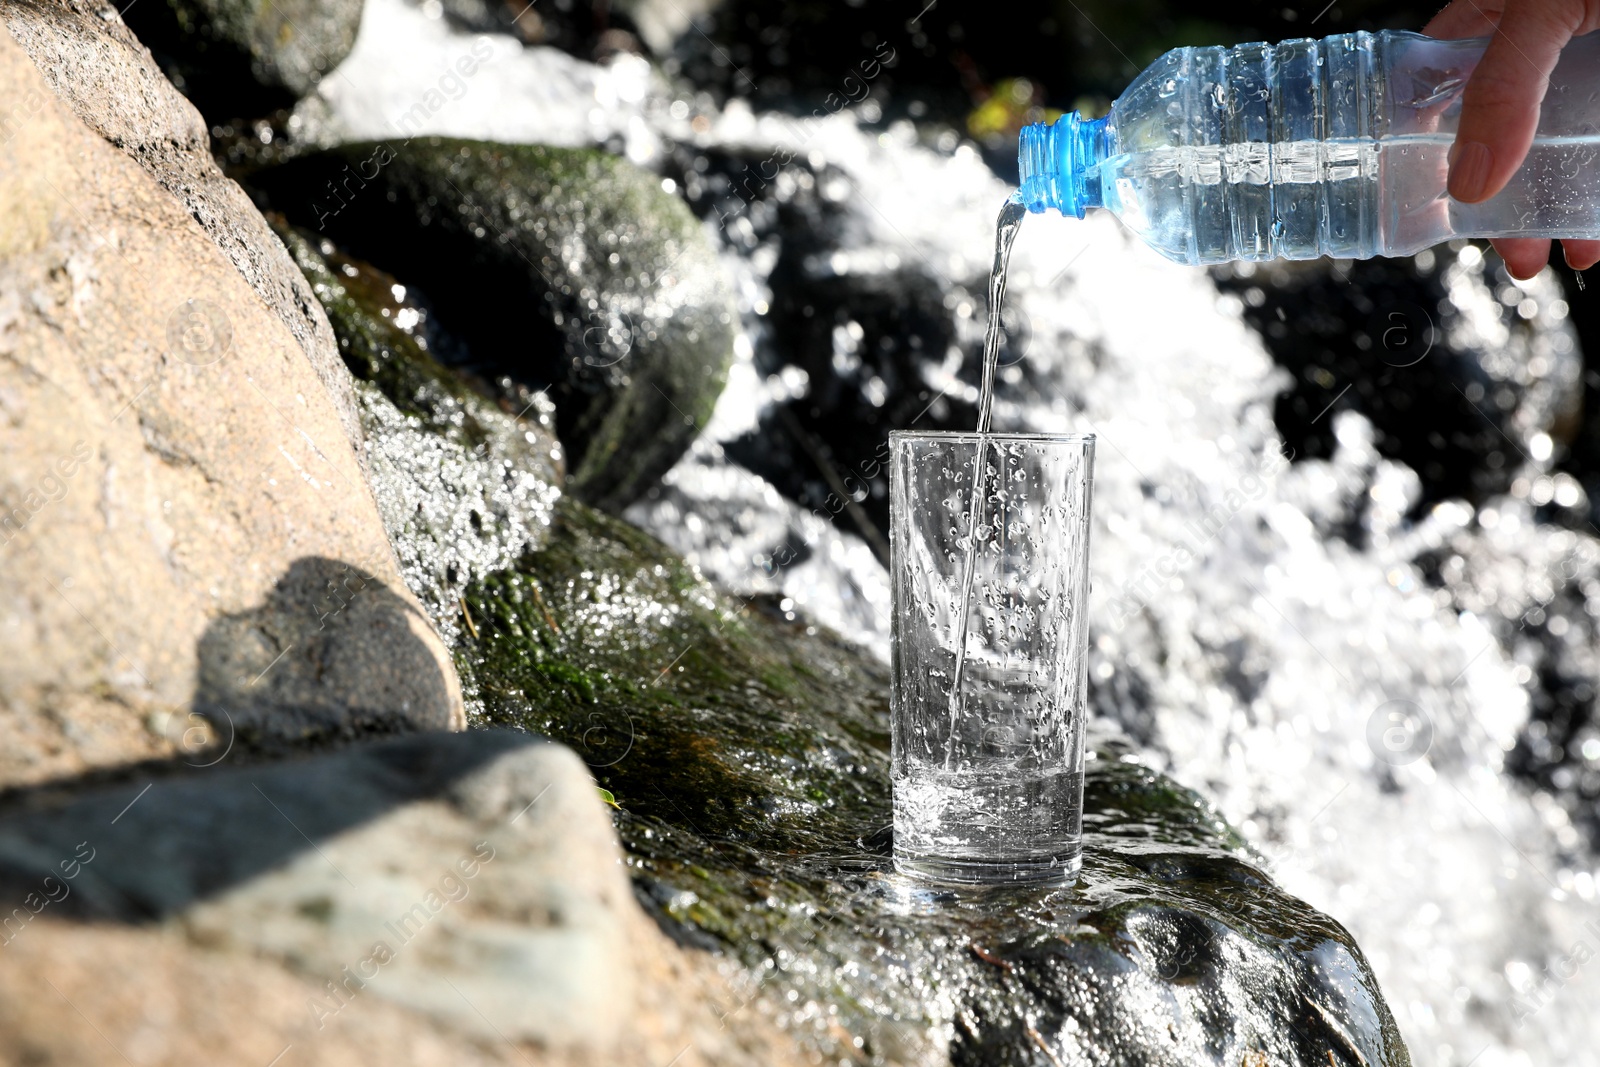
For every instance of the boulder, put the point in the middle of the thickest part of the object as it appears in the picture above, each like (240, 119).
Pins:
(463, 485)
(245, 58)
(98, 68)
(182, 517)
(585, 28)
(562, 268)
(749, 757)
(444, 898)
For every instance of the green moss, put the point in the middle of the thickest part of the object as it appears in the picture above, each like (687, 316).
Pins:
(749, 759)
(635, 655)
(382, 342)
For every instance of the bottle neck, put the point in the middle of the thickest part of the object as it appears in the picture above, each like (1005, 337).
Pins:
(1059, 164)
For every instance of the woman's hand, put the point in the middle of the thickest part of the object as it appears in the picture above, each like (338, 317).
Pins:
(1500, 105)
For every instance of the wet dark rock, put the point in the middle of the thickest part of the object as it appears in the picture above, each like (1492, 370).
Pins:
(748, 757)
(464, 484)
(588, 30)
(563, 269)
(246, 57)
(385, 338)
(1435, 350)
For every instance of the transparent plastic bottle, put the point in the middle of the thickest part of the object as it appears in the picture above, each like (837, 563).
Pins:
(1337, 147)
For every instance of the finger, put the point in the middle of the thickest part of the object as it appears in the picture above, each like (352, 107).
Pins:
(1581, 255)
(1464, 18)
(1524, 256)
(1500, 105)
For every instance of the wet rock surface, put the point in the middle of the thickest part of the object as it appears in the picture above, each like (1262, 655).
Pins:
(385, 338)
(464, 485)
(246, 57)
(748, 757)
(97, 67)
(562, 269)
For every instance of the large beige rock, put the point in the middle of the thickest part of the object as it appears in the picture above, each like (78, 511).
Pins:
(97, 66)
(181, 512)
(439, 899)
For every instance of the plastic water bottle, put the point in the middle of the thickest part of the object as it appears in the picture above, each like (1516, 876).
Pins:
(1337, 147)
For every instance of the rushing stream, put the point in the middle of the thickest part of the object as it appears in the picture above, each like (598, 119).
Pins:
(1344, 677)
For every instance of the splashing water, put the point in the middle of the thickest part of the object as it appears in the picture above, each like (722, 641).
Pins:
(1005, 236)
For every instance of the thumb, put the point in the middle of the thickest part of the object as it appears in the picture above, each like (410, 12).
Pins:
(1500, 105)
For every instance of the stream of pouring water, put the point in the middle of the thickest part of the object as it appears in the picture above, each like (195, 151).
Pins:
(1005, 235)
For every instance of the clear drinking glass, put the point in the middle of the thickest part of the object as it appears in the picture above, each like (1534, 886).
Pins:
(988, 772)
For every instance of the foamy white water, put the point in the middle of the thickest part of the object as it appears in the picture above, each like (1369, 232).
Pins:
(1247, 649)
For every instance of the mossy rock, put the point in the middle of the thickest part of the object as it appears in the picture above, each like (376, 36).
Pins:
(749, 760)
(383, 339)
(245, 58)
(566, 269)
(464, 482)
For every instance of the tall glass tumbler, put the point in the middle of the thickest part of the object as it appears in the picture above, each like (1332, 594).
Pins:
(989, 653)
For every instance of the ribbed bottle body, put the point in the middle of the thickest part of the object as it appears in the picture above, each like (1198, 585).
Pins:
(1252, 153)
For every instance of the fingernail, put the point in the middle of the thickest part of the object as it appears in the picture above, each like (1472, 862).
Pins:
(1469, 171)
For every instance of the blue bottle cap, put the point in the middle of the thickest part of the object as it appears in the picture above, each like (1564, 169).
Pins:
(1060, 164)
